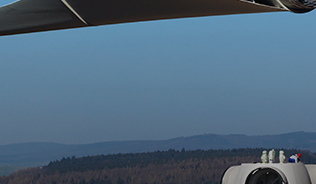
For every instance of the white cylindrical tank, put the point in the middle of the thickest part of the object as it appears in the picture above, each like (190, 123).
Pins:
(290, 173)
(271, 156)
(264, 157)
(281, 156)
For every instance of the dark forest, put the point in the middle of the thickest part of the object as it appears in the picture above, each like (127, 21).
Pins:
(160, 167)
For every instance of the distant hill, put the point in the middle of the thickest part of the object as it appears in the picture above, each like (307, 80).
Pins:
(37, 154)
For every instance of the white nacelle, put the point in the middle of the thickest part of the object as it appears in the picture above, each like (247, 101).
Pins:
(276, 173)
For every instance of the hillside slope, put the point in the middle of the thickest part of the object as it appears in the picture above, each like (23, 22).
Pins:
(167, 167)
(37, 154)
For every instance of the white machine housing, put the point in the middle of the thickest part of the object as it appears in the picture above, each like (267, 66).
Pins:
(277, 173)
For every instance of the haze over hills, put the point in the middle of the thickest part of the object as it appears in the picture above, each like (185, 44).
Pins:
(37, 154)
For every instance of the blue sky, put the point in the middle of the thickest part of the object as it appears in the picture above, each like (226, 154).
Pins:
(246, 74)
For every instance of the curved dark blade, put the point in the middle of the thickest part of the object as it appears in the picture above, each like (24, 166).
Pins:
(27, 16)
(121, 11)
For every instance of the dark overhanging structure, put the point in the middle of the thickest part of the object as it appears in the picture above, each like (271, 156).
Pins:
(26, 16)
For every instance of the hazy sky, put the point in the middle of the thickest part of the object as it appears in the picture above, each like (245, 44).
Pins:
(243, 74)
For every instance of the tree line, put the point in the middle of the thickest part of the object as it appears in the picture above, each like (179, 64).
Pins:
(160, 167)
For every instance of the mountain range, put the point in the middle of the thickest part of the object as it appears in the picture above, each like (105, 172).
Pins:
(38, 154)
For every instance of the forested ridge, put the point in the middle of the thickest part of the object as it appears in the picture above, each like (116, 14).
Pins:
(160, 167)
(38, 154)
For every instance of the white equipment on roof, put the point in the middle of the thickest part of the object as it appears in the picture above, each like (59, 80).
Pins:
(272, 173)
